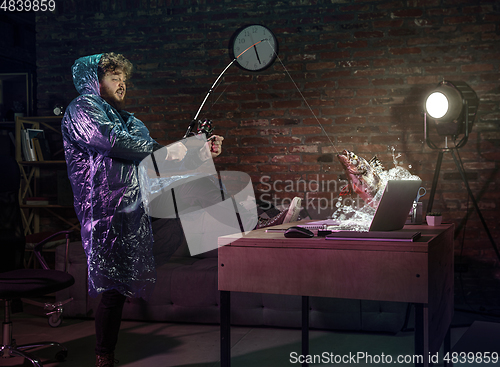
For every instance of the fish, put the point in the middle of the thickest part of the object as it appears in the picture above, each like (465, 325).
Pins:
(363, 176)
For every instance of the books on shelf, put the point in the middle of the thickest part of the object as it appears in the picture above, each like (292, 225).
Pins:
(34, 145)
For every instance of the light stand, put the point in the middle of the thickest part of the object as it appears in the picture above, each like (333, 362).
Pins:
(460, 169)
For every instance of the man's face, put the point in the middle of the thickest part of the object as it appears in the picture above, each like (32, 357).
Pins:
(112, 87)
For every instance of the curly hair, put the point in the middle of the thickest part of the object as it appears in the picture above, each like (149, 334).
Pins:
(110, 62)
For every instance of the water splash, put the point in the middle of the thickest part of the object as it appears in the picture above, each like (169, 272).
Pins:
(355, 218)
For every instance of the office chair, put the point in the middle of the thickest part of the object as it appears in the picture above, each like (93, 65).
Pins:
(16, 282)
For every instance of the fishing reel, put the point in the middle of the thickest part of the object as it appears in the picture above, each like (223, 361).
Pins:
(200, 127)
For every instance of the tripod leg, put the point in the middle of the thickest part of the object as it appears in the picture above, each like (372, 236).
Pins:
(435, 180)
(466, 182)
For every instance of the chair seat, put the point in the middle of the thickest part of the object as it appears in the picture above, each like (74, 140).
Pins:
(33, 282)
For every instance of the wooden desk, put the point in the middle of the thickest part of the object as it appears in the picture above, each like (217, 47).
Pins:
(419, 272)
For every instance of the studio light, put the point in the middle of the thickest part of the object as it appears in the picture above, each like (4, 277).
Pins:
(452, 107)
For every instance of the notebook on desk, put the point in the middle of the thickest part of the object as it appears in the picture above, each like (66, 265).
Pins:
(390, 216)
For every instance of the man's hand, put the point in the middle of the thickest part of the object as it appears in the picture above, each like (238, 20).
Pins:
(215, 144)
(176, 152)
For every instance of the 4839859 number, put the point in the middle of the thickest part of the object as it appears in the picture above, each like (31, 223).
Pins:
(28, 5)
(471, 357)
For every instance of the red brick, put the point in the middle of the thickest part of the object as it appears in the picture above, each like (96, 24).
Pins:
(481, 28)
(387, 62)
(353, 101)
(369, 72)
(335, 55)
(423, 41)
(339, 93)
(405, 51)
(250, 123)
(476, 68)
(287, 104)
(368, 53)
(304, 112)
(338, 18)
(388, 23)
(306, 130)
(274, 132)
(368, 34)
(254, 141)
(244, 132)
(412, 13)
(371, 16)
(354, 64)
(274, 168)
(291, 158)
(358, 82)
(352, 44)
(387, 81)
(423, 3)
(440, 69)
(305, 168)
(273, 149)
(351, 120)
(253, 159)
(335, 111)
(369, 110)
(321, 66)
(430, 80)
(333, 74)
(303, 149)
(459, 20)
(402, 32)
(150, 117)
(287, 140)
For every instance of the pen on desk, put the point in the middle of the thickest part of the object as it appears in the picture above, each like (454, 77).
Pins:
(276, 229)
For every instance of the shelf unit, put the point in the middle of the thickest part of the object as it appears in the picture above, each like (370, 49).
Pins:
(31, 173)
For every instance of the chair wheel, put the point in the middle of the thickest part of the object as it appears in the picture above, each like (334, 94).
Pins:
(55, 319)
(61, 355)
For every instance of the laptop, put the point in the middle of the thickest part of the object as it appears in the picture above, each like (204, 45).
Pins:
(390, 215)
(395, 204)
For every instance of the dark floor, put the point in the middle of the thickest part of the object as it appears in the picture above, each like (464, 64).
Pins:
(141, 344)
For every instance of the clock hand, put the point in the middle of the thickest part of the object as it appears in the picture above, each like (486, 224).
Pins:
(257, 54)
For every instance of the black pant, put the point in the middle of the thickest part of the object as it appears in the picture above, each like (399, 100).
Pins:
(107, 321)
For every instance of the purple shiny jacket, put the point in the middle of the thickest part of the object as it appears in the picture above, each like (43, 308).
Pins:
(103, 148)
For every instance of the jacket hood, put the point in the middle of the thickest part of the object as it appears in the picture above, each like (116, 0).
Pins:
(85, 77)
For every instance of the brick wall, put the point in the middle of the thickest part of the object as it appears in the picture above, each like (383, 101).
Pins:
(363, 68)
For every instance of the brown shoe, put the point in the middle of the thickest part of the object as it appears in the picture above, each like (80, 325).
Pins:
(105, 360)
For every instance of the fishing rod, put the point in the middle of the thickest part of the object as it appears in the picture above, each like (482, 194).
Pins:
(206, 126)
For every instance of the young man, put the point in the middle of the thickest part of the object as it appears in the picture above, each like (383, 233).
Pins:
(103, 145)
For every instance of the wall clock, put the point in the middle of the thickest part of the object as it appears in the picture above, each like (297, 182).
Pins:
(255, 47)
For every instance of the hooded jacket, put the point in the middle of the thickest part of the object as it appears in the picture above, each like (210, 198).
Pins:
(103, 148)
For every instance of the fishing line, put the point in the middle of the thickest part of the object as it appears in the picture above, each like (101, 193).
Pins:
(228, 84)
(307, 104)
(284, 68)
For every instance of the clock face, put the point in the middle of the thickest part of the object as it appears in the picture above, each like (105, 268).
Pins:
(255, 47)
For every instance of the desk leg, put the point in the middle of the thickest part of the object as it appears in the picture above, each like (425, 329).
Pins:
(225, 329)
(305, 327)
(421, 335)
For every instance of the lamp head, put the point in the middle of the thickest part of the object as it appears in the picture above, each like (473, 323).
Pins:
(451, 105)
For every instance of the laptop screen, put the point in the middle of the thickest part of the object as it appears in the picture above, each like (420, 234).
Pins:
(395, 204)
